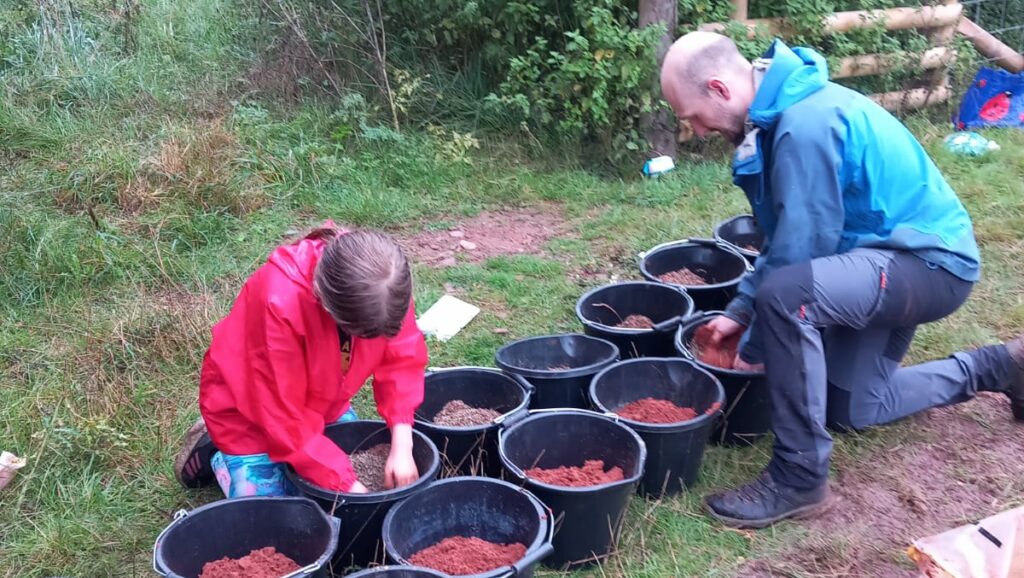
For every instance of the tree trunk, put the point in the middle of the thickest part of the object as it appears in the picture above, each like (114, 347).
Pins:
(660, 127)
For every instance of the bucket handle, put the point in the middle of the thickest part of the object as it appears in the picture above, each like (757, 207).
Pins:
(669, 324)
(531, 558)
(178, 516)
(310, 569)
(642, 254)
(529, 387)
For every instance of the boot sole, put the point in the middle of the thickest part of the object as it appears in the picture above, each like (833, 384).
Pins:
(801, 513)
(197, 449)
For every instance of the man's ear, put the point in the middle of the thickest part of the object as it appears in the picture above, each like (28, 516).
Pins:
(718, 86)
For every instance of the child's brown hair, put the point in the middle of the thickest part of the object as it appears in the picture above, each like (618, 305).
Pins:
(364, 282)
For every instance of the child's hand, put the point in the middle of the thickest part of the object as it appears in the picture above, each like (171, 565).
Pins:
(358, 488)
(400, 469)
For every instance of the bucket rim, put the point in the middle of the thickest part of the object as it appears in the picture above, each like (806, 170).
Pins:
(627, 331)
(161, 567)
(370, 572)
(731, 251)
(721, 225)
(526, 389)
(679, 426)
(537, 415)
(344, 498)
(541, 542)
(589, 369)
(684, 350)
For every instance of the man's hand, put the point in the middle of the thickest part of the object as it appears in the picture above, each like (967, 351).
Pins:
(739, 365)
(723, 328)
(400, 469)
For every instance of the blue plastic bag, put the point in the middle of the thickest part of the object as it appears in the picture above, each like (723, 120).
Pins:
(994, 99)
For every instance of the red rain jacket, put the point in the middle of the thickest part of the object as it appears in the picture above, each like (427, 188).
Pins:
(272, 377)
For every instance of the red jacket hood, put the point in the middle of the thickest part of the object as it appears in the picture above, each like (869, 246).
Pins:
(298, 260)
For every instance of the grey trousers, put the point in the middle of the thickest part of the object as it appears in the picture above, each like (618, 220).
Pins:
(834, 331)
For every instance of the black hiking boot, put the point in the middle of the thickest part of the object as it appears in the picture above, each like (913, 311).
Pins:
(192, 466)
(762, 502)
(1015, 389)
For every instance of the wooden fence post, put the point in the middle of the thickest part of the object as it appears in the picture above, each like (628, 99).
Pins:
(660, 127)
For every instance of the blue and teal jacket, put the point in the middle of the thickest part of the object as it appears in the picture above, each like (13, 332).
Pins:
(827, 170)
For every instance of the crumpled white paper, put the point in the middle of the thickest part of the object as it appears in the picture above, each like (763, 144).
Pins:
(9, 464)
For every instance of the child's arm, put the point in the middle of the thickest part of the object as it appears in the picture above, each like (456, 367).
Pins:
(398, 391)
(275, 402)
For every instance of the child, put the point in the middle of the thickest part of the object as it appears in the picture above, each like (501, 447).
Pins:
(308, 328)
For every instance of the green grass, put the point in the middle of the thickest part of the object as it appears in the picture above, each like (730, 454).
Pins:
(136, 197)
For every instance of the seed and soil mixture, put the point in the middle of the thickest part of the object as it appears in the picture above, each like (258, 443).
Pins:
(591, 474)
(459, 413)
(650, 410)
(369, 466)
(262, 563)
(723, 355)
(636, 322)
(683, 276)
(460, 555)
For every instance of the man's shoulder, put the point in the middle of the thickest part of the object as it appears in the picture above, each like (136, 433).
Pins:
(834, 106)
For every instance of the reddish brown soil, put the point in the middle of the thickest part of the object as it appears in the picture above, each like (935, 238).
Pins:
(752, 248)
(650, 410)
(369, 465)
(458, 413)
(591, 474)
(723, 355)
(459, 556)
(263, 563)
(683, 277)
(636, 322)
(488, 234)
(935, 471)
(559, 368)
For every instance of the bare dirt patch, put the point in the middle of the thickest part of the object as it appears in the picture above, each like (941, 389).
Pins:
(488, 234)
(970, 465)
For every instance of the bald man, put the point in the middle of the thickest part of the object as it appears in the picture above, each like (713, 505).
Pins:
(865, 241)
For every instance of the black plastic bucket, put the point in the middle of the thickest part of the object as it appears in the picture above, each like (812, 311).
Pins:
(483, 508)
(296, 527)
(674, 450)
(397, 572)
(747, 414)
(600, 309)
(743, 234)
(362, 514)
(588, 519)
(470, 450)
(719, 265)
(560, 367)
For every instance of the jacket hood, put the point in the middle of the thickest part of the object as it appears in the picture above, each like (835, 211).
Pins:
(298, 260)
(794, 74)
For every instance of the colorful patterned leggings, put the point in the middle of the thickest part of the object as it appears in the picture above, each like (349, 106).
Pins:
(255, 474)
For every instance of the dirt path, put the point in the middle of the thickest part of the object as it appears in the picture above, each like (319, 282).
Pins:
(969, 465)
